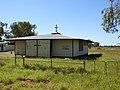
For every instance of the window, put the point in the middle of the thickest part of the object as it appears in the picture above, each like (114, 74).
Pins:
(80, 45)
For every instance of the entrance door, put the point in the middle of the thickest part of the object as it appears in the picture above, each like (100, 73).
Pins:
(43, 48)
(31, 48)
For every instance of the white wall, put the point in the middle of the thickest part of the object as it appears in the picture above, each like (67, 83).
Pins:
(4, 47)
(20, 47)
(43, 48)
(85, 47)
(7, 47)
(38, 48)
(10, 47)
(62, 48)
(31, 48)
(76, 48)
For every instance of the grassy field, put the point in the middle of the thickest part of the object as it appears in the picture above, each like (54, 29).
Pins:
(36, 75)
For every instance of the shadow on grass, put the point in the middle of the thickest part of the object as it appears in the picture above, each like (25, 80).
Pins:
(89, 57)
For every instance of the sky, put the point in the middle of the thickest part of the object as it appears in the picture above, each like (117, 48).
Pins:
(75, 18)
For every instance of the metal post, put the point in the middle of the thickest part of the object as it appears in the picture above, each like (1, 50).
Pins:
(51, 62)
(94, 66)
(84, 64)
(117, 68)
(15, 59)
(23, 61)
(105, 68)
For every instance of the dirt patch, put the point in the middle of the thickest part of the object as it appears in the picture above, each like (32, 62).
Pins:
(45, 81)
(7, 89)
(7, 82)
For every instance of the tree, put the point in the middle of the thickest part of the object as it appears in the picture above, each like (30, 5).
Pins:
(2, 25)
(20, 29)
(111, 17)
(96, 44)
(2, 30)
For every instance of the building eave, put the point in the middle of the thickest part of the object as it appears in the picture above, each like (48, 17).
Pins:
(47, 37)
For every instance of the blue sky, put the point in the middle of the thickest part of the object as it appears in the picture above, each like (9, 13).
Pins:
(77, 18)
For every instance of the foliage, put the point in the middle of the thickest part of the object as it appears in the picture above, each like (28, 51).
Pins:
(20, 29)
(4, 32)
(2, 25)
(111, 17)
(96, 44)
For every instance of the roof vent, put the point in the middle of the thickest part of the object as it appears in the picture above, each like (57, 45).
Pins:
(56, 32)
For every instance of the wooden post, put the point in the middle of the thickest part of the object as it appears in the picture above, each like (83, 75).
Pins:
(15, 59)
(51, 62)
(84, 64)
(105, 68)
(117, 68)
(94, 66)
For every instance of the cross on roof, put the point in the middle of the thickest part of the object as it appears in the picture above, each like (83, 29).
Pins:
(56, 27)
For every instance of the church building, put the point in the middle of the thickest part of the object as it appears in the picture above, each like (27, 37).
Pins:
(50, 45)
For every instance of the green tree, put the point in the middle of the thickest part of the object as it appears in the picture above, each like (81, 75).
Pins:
(96, 44)
(2, 29)
(21, 29)
(111, 17)
(2, 25)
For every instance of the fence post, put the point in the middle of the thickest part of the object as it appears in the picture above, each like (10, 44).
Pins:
(84, 64)
(51, 62)
(117, 68)
(105, 68)
(15, 59)
(94, 66)
(23, 60)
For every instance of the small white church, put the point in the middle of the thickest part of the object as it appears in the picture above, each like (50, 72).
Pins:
(50, 45)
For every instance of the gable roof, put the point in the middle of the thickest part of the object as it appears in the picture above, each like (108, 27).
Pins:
(46, 37)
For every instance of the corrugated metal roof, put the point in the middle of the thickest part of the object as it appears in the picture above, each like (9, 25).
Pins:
(45, 37)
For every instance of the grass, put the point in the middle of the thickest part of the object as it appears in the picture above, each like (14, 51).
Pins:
(35, 75)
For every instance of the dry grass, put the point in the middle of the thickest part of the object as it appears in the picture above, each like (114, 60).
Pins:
(40, 76)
